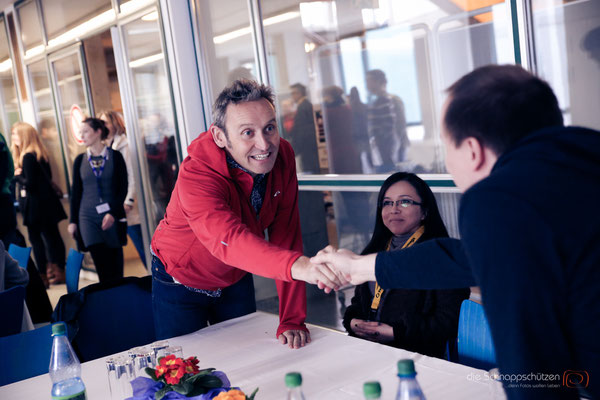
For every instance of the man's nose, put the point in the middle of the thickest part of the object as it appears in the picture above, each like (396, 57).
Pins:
(261, 142)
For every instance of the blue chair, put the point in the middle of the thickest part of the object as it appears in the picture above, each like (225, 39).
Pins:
(107, 318)
(25, 355)
(21, 254)
(11, 304)
(474, 343)
(74, 261)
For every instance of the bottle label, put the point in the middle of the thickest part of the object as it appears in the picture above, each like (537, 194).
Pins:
(77, 396)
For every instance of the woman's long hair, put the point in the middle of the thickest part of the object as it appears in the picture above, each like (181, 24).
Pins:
(116, 119)
(434, 226)
(30, 143)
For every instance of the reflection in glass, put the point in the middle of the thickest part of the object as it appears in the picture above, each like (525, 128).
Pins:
(62, 16)
(9, 107)
(567, 52)
(154, 112)
(44, 112)
(71, 93)
(31, 30)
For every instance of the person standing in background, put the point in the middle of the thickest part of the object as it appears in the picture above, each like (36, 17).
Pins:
(97, 197)
(8, 218)
(42, 210)
(117, 140)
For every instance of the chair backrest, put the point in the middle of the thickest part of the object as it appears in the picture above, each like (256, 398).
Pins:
(11, 304)
(21, 254)
(25, 355)
(74, 261)
(474, 344)
(116, 318)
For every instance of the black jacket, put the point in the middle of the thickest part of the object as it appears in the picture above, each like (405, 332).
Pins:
(530, 234)
(41, 205)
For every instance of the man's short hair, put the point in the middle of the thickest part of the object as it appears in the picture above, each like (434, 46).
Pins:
(300, 88)
(240, 91)
(377, 75)
(499, 105)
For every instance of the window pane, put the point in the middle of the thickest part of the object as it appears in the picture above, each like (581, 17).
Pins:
(31, 31)
(71, 93)
(567, 51)
(62, 16)
(227, 42)
(157, 134)
(9, 107)
(44, 113)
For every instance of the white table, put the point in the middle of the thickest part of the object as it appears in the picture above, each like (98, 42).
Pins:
(333, 365)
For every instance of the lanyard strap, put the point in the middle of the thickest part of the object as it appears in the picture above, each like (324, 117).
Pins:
(378, 290)
(98, 171)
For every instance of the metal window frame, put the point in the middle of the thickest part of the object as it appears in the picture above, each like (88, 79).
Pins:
(6, 127)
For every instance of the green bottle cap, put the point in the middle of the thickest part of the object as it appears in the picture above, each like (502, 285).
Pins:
(372, 390)
(59, 328)
(406, 368)
(293, 379)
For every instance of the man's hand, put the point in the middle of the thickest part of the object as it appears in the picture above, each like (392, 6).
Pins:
(295, 338)
(72, 229)
(348, 266)
(107, 222)
(317, 274)
(372, 330)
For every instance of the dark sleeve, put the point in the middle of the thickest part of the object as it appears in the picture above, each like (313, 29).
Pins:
(76, 190)
(427, 332)
(434, 264)
(3, 164)
(119, 185)
(31, 176)
(356, 308)
(515, 258)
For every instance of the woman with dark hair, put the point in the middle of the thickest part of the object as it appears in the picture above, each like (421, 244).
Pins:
(99, 190)
(416, 320)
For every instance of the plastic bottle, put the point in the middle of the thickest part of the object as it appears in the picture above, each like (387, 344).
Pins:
(65, 369)
(293, 381)
(372, 390)
(408, 387)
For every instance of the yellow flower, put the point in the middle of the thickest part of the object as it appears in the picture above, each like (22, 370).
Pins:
(233, 394)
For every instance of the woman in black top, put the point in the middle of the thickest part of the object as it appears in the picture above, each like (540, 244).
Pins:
(41, 207)
(99, 190)
(416, 320)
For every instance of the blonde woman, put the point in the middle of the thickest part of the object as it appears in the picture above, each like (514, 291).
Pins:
(117, 140)
(41, 207)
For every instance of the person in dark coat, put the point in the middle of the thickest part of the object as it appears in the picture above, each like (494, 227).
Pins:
(416, 320)
(99, 190)
(8, 218)
(42, 209)
(529, 232)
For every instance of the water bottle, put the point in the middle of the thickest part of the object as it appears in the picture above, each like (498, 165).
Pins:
(65, 369)
(293, 381)
(372, 390)
(408, 387)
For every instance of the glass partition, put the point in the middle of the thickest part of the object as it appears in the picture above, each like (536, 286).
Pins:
(567, 53)
(9, 105)
(66, 15)
(44, 112)
(31, 28)
(156, 133)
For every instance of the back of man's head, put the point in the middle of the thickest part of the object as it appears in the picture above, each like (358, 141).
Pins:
(499, 105)
(300, 88)
(240, 91)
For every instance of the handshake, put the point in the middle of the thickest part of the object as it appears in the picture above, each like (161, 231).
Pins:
(333, 268)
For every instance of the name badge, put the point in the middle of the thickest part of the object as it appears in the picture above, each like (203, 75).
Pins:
(23, 193)
(102, 208)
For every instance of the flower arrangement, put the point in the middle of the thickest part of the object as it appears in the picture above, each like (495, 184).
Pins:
(178, 378)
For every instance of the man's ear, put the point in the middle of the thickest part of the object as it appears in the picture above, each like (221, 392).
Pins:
(218, 136)
(476, 154)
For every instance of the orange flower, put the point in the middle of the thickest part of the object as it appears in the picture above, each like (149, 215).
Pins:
(233, 394)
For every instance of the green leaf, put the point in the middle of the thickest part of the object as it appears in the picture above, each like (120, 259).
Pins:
(209, 381)
(161, 393)
(197, 391)
(152, 373)
(183, 387)
(200, 374)
(251, 397)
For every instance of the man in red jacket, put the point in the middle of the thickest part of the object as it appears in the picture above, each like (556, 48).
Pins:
(234, 210)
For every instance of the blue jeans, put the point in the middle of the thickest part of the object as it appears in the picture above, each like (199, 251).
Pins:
(135, 233)
(179, 310)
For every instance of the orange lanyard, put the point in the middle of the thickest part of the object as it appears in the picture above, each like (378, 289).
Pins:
(378, 290)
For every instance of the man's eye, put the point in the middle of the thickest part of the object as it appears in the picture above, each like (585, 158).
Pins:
(270, 128)
(247, 133)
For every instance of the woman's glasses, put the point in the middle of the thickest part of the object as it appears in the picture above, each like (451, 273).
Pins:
(404, 203)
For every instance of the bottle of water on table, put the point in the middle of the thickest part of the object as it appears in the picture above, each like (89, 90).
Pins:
(65, 369)
(293, 382)
(408, 387)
